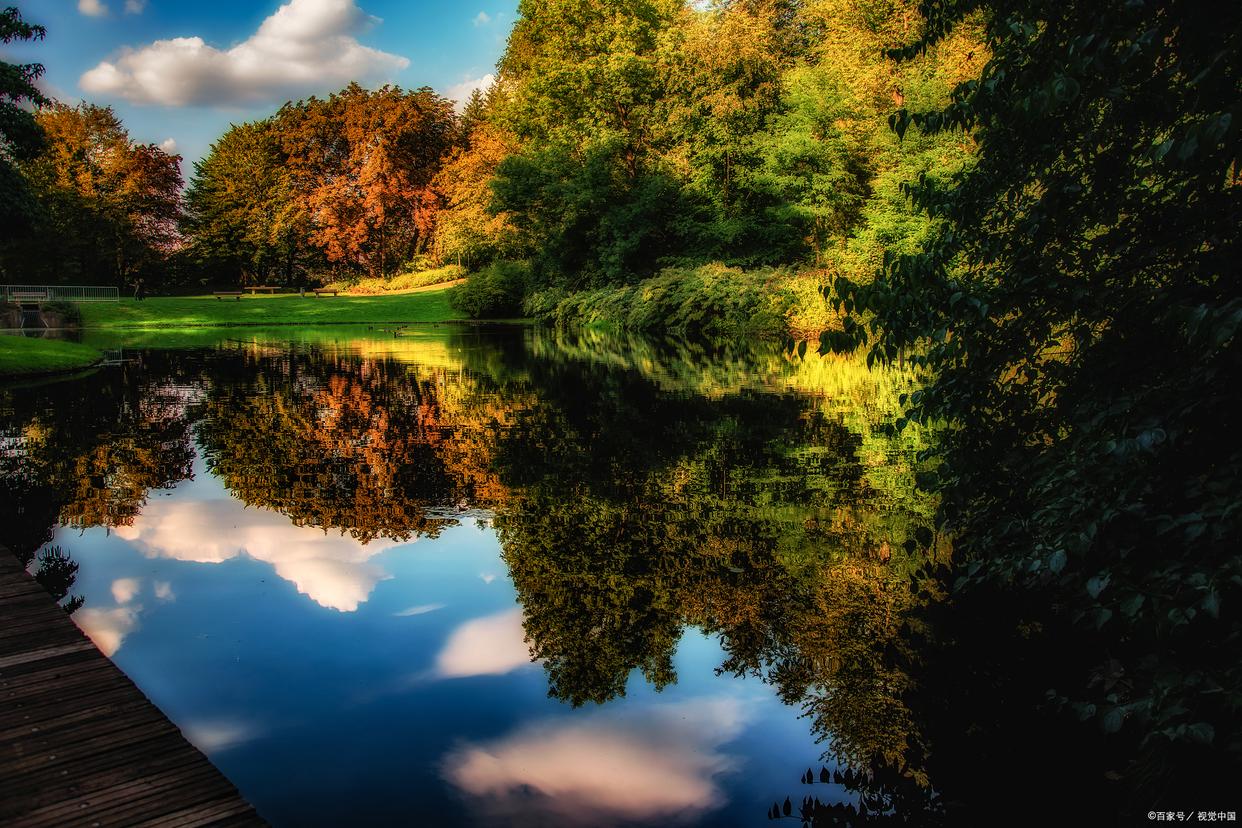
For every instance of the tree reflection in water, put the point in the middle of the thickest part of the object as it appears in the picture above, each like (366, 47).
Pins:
(637, 490)
(87, 453)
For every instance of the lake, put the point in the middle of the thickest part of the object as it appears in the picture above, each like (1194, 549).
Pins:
(462, 575)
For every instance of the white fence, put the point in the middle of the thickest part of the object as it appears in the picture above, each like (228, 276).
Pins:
(58, 293)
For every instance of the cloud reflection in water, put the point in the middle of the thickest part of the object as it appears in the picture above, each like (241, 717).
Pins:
(616, 765)
(333, 570)
(488, 646)
(107, 628)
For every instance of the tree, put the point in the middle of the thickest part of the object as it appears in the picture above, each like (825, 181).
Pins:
(364, 163)
(467, 230)
(241, 213)
(108, 207)
(20, 136)
(579, 84)
(722, 76)
(1077, 308)
(341, 445)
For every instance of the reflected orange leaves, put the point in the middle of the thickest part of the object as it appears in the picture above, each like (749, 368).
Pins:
(364, 447)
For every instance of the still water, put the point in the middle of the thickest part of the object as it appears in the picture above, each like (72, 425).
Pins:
(469, 576)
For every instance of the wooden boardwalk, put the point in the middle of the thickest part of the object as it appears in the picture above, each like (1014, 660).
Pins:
(79, 743)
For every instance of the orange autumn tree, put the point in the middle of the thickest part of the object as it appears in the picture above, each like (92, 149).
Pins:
(467, 230)
(364, 162)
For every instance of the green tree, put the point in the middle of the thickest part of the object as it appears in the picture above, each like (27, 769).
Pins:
(240, 211)
(20, 136)
(1077, 309)
(579, 84)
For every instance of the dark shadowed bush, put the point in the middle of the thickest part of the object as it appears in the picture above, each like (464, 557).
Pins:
(494, 292)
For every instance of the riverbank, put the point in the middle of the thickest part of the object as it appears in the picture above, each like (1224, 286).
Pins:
(25, 357)
(283, 309)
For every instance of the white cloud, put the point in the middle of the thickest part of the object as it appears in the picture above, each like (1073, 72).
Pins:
(460, 92)
(107, 628)
(482, 19)
(213, 736)
(489, 646)
(653, 763)
(420, 610)
(169, 145)
(124, 590)
(487, 577)
(305, 46)
(333, 570)
(164, 591)
(92, 8)
(135, 6)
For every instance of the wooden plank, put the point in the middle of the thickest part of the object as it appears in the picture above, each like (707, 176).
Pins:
(218, 814)
(9, 589)
(204, 812)
(101, 778)
(34, 639)
(128, 797)
(68, 687)
(166, 802)
(83, 771)
(62, 665)
(58, 720)
(124, 788)
(45, 653)
(79, 742)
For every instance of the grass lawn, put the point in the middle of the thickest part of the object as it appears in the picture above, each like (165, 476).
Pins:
(22, 356)
(282, 309)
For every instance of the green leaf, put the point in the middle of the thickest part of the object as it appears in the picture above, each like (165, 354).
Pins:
(1201, 732)
(1130, 606)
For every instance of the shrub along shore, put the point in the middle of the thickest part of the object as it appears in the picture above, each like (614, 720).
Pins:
(709, 302)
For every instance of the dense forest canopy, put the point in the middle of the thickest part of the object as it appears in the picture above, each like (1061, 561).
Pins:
(617, 140)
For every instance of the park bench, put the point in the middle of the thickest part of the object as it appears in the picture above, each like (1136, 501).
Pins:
(24, 297)
(220, 294)
(262, 288)
(320, 291)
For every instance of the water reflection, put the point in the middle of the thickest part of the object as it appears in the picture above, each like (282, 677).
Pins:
(640, 497)
(202, 523)
(108, 627)
(657, 763)
(488, 646)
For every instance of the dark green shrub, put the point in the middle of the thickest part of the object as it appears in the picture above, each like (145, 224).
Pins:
(495, 292)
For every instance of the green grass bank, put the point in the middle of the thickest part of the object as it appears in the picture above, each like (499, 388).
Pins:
(283, 309)
(25, 357)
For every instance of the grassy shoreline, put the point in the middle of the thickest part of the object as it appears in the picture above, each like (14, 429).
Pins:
(424, 306)
(22, 357)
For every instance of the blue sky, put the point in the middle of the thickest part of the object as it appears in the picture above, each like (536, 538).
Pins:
(181, 72)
